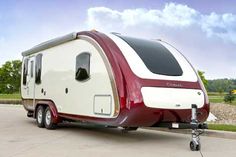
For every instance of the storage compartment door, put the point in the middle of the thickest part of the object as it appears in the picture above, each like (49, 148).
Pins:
(102, 104)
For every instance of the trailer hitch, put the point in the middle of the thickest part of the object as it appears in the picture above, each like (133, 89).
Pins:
(196, 127)
(197, 130)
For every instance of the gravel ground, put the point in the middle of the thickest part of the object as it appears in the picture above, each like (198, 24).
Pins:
(226, 114)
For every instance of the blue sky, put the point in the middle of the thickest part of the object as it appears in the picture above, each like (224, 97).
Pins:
(204, 31)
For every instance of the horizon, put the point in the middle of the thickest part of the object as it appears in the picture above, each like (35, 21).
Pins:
(205, 35)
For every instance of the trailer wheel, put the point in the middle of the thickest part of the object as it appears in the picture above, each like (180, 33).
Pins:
(195, 146)
(48, 120)
(40, 116)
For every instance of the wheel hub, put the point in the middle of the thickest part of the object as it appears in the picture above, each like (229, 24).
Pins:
(48, 117)
(40, 116)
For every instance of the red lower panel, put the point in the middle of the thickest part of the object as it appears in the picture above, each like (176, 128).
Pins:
(141, 115)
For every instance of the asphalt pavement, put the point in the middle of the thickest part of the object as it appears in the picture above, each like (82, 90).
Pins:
(20, 137)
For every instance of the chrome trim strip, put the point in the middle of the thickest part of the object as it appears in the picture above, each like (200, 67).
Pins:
(50, 43)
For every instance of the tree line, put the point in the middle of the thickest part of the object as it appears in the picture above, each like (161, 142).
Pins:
(221, 85)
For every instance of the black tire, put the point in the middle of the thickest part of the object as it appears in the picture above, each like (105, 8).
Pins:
(194, 146)
(40, 116)
(198, 147)
(48, 119)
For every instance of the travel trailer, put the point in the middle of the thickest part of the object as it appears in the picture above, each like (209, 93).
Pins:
(112, 80)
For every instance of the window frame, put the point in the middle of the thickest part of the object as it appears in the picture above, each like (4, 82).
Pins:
(87, 68)
(38, 68)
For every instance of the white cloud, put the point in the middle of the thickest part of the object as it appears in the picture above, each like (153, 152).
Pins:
(178, 15)
(183, 16)
(222, 26)
(173, 15)
(100, 17)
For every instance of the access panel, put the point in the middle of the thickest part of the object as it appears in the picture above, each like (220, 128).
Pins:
(102, 104)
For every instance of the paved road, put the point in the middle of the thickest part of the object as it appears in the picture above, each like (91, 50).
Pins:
(20, 137)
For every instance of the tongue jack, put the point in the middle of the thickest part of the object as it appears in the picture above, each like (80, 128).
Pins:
(195, 144)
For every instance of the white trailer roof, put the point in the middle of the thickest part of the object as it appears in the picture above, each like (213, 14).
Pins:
(50, 43)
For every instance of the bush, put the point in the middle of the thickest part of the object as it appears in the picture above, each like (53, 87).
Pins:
(229, 97)
(10, 75)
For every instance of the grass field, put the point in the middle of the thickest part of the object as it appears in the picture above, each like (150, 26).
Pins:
(218, 98)
(224, 127)
(10, 96)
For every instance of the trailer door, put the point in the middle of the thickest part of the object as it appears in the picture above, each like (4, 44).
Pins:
(30, 84)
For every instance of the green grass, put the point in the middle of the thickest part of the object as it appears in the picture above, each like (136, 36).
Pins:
(216, 94)
(218, 98)
(10, 96)
(224, 127)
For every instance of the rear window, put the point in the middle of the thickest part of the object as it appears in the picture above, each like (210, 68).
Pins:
(156, 57)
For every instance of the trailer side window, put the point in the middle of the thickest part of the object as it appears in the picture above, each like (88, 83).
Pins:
(82, 66)
(25, 71)
(38, 68)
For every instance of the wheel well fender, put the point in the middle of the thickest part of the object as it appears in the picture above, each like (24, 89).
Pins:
(52, 107)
